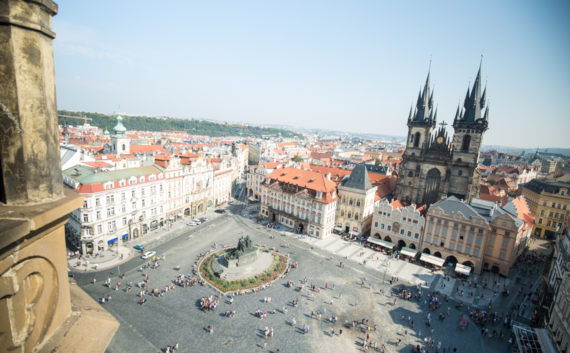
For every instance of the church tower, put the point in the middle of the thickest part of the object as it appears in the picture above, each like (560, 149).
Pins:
(421, 122)
(120, 143)
(469, 124)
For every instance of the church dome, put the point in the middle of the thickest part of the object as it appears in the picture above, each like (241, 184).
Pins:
(119, 129)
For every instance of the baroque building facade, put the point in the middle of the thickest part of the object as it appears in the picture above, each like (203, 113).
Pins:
(356, 202)
(435, 165)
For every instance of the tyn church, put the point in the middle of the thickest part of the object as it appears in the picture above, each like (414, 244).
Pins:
(432, 165)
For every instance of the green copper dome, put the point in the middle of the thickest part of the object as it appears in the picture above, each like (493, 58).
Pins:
(119, 129)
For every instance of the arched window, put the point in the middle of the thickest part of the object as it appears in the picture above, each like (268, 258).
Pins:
(358, 203)
(356, 216)
(417, 139)
(348, 216)
(466, 142)
(124, 147)
(410, 173)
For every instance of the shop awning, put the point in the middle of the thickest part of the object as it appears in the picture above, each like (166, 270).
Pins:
(112, 240)
(382, 243)
(462, 269)
(126, 235)
(408, 252)
(434, 260)
(354, 233)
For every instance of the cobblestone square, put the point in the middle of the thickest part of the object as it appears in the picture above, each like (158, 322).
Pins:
(345, 289)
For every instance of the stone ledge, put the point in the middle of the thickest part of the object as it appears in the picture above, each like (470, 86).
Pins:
(78, 333)
(17, 222)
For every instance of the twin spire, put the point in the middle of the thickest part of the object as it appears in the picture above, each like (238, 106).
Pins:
(470, 114)
(424, 112)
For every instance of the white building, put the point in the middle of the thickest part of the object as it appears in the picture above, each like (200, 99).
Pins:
(255, 176)
(303, 200)
(128, 203)
(398, 224)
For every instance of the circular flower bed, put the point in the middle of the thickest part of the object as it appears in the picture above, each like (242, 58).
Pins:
(277, 268)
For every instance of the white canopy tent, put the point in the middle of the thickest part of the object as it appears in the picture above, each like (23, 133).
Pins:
(434, 260)
(462, 269)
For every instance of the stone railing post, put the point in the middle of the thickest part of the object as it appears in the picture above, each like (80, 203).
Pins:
(40, 310)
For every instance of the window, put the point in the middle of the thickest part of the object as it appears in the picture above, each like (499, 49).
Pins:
(375, 224)
(382, 226)
(469, 238)
(444, 232)
(453, 235)
(84, 204)
(358, 203)
(430, 228)
(356, 216)
(480, 231)
(389, 227)
(442, 243)
(437, 230)
(502, 255)
(459, 247)
(134, 206)
(468, 250)
(461, 236)
(85, 217)
(542, 213)
(409, 233)
(540, 221)
(124, 221)
(99, 229)
(417, 235)
(466, 142)
(478, 240)
(505, 243)
(451, 245)
(507, 233)
(401, 231)
(428, 239)
(97, 202)
(489, 251)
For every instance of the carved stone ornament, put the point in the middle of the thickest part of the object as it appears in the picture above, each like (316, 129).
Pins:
(28, 297)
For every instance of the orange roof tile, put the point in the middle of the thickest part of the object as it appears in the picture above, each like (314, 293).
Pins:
(306, 179)
(146, 148)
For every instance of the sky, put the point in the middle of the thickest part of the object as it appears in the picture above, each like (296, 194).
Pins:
(353, 66)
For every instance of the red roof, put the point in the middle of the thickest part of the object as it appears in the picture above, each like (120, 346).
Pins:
(146, 148)
(306, 179)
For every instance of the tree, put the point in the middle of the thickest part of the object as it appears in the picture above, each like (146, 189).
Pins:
(297, 159)
(377, 161)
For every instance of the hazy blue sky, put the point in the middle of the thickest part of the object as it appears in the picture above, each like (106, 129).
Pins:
(346, 65)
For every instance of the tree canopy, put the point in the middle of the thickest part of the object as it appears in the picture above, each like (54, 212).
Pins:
(191, 126)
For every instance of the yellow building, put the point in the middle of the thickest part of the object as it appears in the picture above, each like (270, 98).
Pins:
(549, 202)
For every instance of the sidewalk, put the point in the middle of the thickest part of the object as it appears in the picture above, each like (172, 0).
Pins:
(124, 251)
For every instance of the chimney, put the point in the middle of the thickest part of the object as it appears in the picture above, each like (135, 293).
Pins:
(328, 176)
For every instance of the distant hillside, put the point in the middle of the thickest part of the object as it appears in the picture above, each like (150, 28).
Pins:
(192, 126)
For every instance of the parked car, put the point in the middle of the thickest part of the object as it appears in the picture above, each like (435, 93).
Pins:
(139, 247)
(204, 219)
(196, 220)
(148, 254)
(220, 210)
(191, 224)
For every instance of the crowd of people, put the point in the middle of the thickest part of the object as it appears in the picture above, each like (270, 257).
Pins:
(209, 303)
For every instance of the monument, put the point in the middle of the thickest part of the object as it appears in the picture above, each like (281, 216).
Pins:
(244, 254)
(243, 261)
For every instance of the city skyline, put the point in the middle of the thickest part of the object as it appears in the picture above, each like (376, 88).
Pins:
(350, 68)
